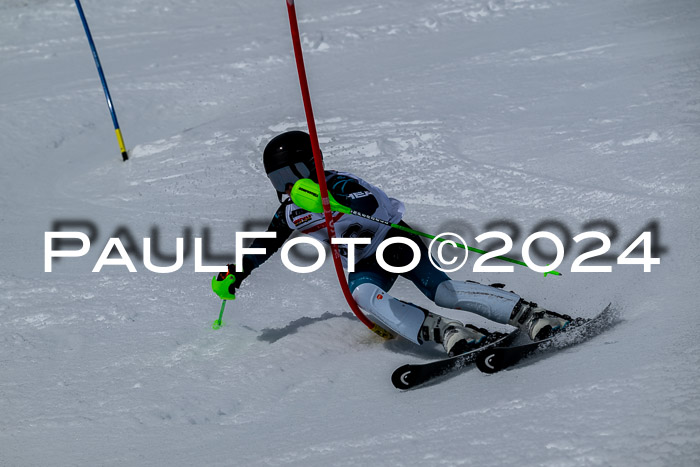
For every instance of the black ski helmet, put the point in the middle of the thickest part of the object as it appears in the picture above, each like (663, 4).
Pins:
(287, 158)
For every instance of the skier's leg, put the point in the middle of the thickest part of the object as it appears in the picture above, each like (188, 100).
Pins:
(424, 276)
(491, 302)
(500, 306)
(417, 324)
(405, 319)
(370, 284)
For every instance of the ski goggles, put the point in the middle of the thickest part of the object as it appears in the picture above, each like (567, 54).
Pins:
(280, 178)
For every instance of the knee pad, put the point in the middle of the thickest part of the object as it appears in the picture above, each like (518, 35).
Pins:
(490, 302)
(405, 319)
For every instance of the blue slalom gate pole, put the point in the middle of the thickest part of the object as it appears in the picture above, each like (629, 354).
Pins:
(117, 131)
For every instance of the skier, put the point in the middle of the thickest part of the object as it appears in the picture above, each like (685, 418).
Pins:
(287, 158)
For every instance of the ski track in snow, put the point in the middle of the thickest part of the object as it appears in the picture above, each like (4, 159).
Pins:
(475, 113)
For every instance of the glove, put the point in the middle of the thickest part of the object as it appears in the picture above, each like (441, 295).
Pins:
(226, 282)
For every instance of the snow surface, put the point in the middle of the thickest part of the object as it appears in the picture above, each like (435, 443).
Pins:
(470, 111)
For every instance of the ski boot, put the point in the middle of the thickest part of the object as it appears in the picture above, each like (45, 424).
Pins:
(455, 337)
(537, 322)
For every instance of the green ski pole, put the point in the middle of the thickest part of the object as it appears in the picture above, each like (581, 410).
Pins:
(305, 194)
(218, 323)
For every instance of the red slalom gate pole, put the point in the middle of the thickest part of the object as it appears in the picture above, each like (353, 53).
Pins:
(318, 161)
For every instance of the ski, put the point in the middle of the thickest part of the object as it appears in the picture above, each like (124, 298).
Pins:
(497, 358)
(411, 375)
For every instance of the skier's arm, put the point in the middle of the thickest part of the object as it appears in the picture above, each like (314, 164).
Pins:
(226, 283)
(348, 192)
(278, 224)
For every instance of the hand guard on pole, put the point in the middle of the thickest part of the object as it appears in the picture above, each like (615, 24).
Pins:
(226, 282)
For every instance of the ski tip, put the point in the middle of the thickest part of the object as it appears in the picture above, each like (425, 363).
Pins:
(489, 361)
(402, 378)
